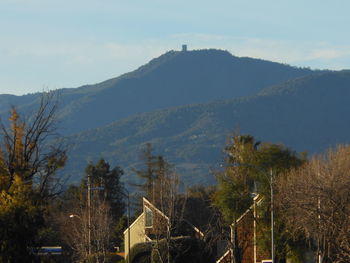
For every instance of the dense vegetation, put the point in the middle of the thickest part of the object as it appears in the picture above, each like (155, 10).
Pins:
(306, 114)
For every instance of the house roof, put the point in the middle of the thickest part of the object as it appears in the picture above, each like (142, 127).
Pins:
(196, 229)
(133, 223)
(258, 198)
(154, 207)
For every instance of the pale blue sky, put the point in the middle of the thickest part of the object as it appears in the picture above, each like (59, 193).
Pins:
(50, 44)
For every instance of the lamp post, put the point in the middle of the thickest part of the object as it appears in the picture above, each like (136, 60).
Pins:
(272, 219)
(89, 212)
(125, 193)
(89, 231)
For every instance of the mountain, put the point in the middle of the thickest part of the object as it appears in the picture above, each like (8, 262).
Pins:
(175, 78)
(307, 114)
(187, 103)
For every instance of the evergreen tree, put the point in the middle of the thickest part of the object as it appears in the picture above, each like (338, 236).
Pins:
(156, 168)
(248, 172)
(108, 180)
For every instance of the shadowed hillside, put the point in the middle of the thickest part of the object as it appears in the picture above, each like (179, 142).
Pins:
(306, 114)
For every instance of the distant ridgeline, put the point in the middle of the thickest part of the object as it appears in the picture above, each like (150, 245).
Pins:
(187, 102)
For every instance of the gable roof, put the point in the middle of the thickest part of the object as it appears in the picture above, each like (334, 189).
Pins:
(196, 229)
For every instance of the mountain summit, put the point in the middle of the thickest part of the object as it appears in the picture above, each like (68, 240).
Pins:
(175, 78)
(186, 103)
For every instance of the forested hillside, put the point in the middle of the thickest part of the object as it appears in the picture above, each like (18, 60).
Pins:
(306, 114)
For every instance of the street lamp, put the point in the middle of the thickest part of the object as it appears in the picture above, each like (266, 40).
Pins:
(269, 176)
(125, 193)
(89, 230)
(73, 215)
(89, 207)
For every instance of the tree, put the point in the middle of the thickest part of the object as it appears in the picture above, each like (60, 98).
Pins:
(155, 170)
(247, 173)
(20, 221)
(29, 160)
(110, 184)
(112, 191)
(88, 230)
(315, 203)
(147, 175)
(160, 184)
(235, 186)
(200, 212)
(97, 208)
(169, 200)
(25, 152)
(273, 161)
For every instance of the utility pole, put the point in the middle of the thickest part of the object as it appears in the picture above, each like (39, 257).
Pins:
(128, 196)
(89, 213)
(272, 219)
(255, 201)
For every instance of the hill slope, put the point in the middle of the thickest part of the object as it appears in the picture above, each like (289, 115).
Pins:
(173, 79)
(306, 114)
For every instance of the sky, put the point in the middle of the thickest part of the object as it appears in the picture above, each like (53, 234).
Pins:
(49, 44)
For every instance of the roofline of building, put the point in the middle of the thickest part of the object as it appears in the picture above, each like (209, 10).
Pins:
(155, 208)
(223, 256)
(133, 223)
(257, 200)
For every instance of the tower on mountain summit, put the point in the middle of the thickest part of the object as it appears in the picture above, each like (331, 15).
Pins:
(184, 48)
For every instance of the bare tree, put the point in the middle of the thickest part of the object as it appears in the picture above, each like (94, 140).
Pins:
(87, 230)
(315, 203)
(172, 205)
(29, 151)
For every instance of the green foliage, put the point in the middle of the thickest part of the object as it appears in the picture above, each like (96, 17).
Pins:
(118, 229)
(28, 164)
(182, 250)
(156, 168)
(106, 214)
(140, 253)
(235, 184)
(112, 188)
(252, 168)
(148, 175)
(305, 114)
(198, 207)
(20, 222)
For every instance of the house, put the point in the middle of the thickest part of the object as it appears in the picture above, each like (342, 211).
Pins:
(247, 232)
(152, 224)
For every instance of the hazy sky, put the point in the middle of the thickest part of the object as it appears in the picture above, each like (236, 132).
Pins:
(49, 44)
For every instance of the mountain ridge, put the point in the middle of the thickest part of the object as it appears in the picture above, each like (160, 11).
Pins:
(172, 79)
(193, 136)
(187, 103)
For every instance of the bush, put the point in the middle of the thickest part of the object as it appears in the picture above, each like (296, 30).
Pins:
(182, 250)
(140, 253)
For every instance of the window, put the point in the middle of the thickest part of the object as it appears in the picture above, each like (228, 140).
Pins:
(148, 217)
